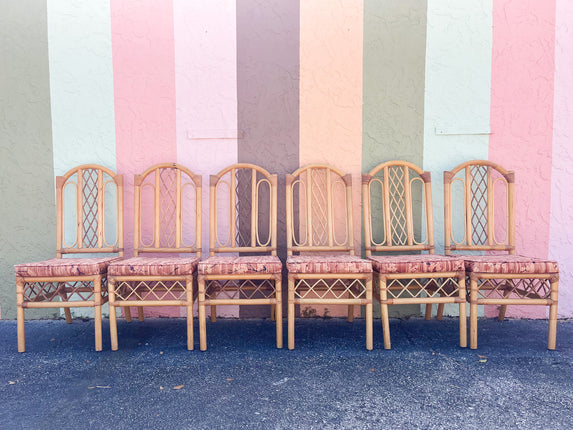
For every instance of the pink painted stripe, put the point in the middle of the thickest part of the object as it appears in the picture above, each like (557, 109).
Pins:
(144, 92)
(562, 172)
(522, 117)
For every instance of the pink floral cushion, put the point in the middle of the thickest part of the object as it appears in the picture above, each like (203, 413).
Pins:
(426, 263)
(508, 264)
(62, 267)
(220, 265)
(154, 266)
(327, 264)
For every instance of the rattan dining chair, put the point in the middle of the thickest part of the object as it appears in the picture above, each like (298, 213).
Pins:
(322, 267)
(397, 210)
(242, 267)
(89, 200)
(479, 205)
(167, 223)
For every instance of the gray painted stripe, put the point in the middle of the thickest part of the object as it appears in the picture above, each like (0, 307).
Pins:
(268, 96)
(28, 214)
(394, 74)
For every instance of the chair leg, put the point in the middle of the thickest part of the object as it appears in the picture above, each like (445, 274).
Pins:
(189, 288)
(64, 296)
(290, 316)
(552, 337)
(20, 315)
(202, 316)
(273, 315)
(463, 316)
(140, 315)
(278, 308)
(473, 312)
(384, 313)
(368, 315)
(97, 314)
(503, 308)
(440, 313)
(213, 313)
(428, 315)
(112, 314)
(127, 313)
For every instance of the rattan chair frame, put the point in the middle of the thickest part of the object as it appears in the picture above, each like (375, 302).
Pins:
(136, 290)
(90, 186)
(233, 285)
(324, 281)
(396, 188)
(484, 285)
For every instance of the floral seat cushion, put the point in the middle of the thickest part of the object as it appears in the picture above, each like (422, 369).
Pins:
(220, 265)
(154, 266)
(64, 267)
(509, 264)
(327, 264)
(416, 264)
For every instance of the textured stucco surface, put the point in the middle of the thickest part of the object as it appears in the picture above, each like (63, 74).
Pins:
(268, 97)
(393, 82)
(394, 67)
(206, 83)
(561, 234)
(458, 79)
(28, 227)
(81, 83)
(523, 56)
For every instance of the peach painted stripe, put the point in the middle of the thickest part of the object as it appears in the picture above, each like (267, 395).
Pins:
(331, 39)
(522, 117)
(144, 88)
(206, 82)
(561, 237)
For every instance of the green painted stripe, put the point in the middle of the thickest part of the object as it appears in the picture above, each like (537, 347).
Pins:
(28, 213)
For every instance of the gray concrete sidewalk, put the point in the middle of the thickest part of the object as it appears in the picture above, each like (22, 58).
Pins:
(329, 381)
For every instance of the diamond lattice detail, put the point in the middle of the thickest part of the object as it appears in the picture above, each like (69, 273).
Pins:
(479, 204)
(514, 288)
(66, 291)
(319, 207)
(90, 207)
(240, 289)
(168, 206)
(398, 206)
(150, 290)
(429, 287)
(329, 288)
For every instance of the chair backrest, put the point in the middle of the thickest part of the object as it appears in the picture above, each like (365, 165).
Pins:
(167, 210)
(94, 195)
(397, 208)
(479, 214)
(243, 210)
(319, 210)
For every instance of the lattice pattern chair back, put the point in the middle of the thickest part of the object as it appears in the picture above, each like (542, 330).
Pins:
(397, 202)
(319, 210)
(484, 193)
(243, 210)
(89, 202)
(168, 210)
